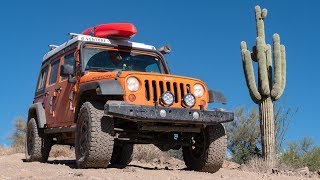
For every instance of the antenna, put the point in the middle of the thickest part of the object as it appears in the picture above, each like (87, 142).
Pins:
(52, 47)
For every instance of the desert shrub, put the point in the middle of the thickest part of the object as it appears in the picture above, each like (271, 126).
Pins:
(301, 154)
(312, 159)
(18, 136)
(244, 135)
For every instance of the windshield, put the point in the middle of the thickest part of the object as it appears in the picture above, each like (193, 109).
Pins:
(110, 60)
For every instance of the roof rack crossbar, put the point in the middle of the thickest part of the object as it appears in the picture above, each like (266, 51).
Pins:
(51, 46)
(72, 35)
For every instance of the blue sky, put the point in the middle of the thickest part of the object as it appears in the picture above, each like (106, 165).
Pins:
(204, 35)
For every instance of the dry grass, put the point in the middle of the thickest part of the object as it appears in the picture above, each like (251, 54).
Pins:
(56, 151)
(11, 150)
(257, 165)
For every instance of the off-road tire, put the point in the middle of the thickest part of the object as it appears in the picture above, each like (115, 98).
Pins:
(214, 150)
(37, 145)
(122, 154)
(94, 137)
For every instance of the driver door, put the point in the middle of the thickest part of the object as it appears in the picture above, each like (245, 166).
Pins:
(65, 108)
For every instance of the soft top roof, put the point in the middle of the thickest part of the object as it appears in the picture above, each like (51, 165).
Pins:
(86, 38)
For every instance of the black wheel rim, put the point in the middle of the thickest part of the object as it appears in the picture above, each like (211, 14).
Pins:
(83, 141)
(197, 148)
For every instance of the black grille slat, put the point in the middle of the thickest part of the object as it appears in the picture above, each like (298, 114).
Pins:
(182, 90)
(147, 90)
(168, 86)
(161, 87)
(154, 90)
(175, 90)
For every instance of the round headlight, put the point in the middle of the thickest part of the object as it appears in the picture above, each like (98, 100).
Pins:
(167, 98)
(133, 84)
(198, 90)
(189, 100)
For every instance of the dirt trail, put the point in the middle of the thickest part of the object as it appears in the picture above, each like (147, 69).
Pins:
(13, 167)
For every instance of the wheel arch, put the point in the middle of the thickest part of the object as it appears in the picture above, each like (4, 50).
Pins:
(100, 91)
(37, 112)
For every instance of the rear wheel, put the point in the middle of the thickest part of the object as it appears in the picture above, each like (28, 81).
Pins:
(122, 154)
(94, 137)
(208, 150)
(37, 145)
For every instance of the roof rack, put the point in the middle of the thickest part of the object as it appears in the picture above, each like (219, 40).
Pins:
(52, 47)
(72, 35)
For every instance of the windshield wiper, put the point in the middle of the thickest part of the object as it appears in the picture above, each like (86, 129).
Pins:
(99, 69)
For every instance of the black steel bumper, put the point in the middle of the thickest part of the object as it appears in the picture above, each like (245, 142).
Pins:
(124, 110)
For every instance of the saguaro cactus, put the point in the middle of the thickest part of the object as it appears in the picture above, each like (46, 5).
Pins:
(270, 87)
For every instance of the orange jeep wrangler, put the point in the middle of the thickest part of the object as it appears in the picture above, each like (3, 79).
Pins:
(102, 94)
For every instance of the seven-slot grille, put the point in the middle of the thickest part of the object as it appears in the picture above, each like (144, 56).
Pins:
(154, 89)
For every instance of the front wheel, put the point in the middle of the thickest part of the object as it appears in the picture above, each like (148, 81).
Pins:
(94, 137)
(208, 150)
(37, 145)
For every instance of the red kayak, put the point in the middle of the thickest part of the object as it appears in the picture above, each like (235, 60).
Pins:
(123, 30)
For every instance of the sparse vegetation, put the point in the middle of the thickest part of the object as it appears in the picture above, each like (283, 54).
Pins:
(19, 134)
(302, 153)
(245, 146)
(244, 135)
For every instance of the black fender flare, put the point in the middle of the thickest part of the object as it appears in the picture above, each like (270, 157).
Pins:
(102, 87)
(37, 112)
(106, 87)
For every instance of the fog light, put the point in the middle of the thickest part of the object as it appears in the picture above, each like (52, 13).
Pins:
(189, 100)
(196, 115)
(163, 113)
(167, 98)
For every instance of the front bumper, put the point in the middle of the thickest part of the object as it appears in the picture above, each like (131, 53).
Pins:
(137, 113)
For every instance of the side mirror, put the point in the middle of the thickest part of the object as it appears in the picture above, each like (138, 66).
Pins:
(67, 70)
(218, 97)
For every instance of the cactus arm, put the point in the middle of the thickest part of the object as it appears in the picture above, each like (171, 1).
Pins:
(276, 89)
(283, 71)
(249, 73)
(259, 21)
(262, 66)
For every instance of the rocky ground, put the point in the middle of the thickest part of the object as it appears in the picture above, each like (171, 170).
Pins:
(14, 167)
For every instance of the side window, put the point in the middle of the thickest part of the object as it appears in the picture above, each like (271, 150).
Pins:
(54, 72)
(42, 79)
(69, 60)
